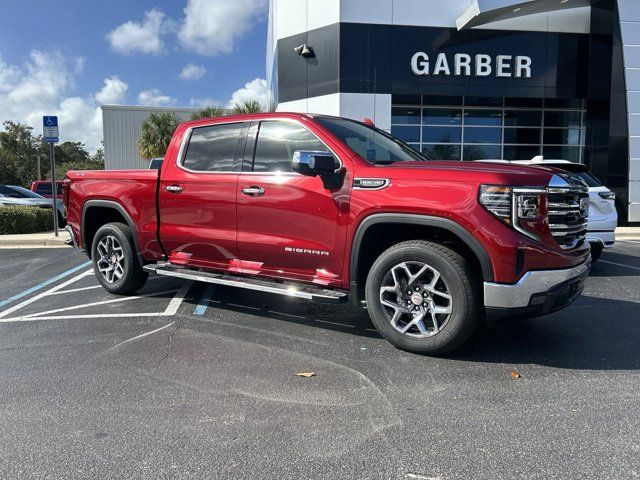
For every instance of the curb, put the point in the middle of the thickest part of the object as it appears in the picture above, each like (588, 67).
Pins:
(33, 242)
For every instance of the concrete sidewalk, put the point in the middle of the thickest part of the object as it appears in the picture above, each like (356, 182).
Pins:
(47, 239)
(628, 233)
(34, 240)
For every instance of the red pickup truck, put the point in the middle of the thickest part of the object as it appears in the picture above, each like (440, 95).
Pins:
(330, 209)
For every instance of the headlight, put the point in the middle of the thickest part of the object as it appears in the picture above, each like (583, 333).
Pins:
(497, 199)
(607, 195)
(524, 208)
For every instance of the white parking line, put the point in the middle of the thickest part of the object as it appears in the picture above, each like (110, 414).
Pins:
(619, 264)
(45, 293)
(95, 304)
(73, 290)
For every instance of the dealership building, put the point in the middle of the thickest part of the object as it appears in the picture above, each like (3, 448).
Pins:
(473, 79)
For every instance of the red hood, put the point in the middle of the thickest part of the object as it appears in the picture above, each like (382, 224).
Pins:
(482, 172)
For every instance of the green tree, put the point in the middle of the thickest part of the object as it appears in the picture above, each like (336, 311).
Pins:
(247, 106)
(208, 112)
(71, 152)
(98, 157)
(19, 152)
(156, 134)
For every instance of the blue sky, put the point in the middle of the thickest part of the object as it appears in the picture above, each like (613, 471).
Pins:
(69, 57)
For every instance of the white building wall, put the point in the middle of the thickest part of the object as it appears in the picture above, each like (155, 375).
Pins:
(630, 29)
(121, 129)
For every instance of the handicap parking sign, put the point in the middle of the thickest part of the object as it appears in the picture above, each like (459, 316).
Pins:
(50, 129)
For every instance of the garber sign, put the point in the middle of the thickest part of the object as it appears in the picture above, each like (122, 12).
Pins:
(465, 65)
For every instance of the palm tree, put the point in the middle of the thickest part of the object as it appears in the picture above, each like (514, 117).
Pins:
(156, 134)
(208, 112)
(247, 106)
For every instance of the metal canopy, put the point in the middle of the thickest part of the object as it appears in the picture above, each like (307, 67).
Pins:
(487, 11)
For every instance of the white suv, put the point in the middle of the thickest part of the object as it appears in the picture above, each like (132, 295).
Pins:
(603, 217)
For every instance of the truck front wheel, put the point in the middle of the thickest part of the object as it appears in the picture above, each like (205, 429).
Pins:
(114, 259)
(423, 297)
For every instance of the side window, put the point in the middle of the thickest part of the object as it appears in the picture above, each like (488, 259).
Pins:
(43, 189)
(214, 148)
(277, 141)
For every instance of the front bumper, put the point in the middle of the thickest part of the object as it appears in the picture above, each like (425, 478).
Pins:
(605, 238)
(537, 293)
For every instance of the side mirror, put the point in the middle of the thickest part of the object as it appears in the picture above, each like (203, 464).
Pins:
(315, 163)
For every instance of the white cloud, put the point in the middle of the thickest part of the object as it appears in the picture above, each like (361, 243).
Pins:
(192, 72)
(155, 98)
(204, 102)
(145, 37)
(39, 87)
(256, 89)
(113, 92)
(211, 27)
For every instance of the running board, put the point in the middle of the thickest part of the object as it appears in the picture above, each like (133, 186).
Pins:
(297, 290)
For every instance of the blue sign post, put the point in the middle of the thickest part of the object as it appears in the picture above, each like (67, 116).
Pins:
(50, 134)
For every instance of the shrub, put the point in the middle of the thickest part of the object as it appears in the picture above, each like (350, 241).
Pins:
(25, 220)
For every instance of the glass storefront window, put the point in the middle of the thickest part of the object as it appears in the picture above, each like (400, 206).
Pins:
(523, 118)
(442, 100)
(561, 136)
(441, 135)
(523, 102)
(562, 119)
(441, 152)
(562, 153)
(441, 116)
(402, 115)
(483, 101)
(520, 152)
(482, 135)
(481, 152)
(483, 117)
(522, 135)
(406, 134)
(473, 128)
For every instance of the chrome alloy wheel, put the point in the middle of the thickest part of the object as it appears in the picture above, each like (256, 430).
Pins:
(415, 299)
(111, 260)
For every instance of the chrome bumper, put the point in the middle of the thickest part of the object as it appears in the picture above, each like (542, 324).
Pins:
(519, 295)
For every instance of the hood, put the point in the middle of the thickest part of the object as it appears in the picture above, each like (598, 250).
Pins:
(498, 173)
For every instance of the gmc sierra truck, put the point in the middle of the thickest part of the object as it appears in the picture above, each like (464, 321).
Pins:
(330, 209)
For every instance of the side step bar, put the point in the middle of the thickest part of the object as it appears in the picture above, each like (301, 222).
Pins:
(297, 290)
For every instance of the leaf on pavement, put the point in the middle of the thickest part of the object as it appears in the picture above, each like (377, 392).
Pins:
(305, 374)
(515, 374)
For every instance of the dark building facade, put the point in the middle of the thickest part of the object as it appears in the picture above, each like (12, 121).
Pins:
(499, 80)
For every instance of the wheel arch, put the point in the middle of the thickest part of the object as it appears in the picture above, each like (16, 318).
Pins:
(111, 212)
(426, 228)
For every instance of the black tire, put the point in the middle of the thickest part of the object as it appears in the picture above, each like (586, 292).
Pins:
(461, 281)
(596, 251)
(133, 277)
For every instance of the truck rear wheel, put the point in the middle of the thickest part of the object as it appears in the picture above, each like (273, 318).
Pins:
(114, 259)
(423, 297)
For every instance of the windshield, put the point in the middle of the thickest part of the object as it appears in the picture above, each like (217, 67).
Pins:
(590, 179)
(370, 143)
(23, 192)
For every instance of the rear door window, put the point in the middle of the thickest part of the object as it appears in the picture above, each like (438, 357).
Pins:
(215, 148)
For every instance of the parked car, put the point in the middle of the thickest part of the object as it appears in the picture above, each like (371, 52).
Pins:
(11, 195)
(330, 209)
(603, 217)
(155, 163)
(43, 187)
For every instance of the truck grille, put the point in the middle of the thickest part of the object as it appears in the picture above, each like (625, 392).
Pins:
(568, 212)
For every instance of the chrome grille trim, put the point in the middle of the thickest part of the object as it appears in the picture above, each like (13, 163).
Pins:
(567, 215)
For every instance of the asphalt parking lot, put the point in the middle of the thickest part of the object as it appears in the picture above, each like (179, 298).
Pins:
(189, 381)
